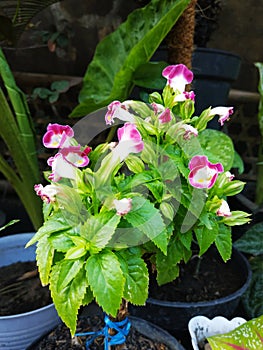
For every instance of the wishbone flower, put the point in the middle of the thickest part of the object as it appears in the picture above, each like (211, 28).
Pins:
(123, 206)
(178, 76)
(130, 141)
(224, 209)
(61, 168)
(223, 112)
(47, 193)
(76, 156)
(116, 109)
(57, 135)
(203, 174)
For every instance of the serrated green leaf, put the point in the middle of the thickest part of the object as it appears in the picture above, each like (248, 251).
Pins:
(69, 299)
(44, 257)
(205, 237)
(251, 242)
(98, 230)
(146, 218)
(106, 280)
(61, 242)
(218, 147)
(88, 297)
(223, 242)
(136, 278)
(146, 28)
(76, 252)
(54, 224)
(167, 265)
(67, 271)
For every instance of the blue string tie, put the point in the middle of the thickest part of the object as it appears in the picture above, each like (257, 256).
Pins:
(121, 328)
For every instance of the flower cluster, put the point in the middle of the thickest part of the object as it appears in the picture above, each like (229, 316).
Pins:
(158, 190)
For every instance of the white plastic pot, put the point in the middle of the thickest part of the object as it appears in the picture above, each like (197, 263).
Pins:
(17, 332)
(201, 327)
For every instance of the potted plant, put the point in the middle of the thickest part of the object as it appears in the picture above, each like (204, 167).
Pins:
(113, 213)
(221, 333)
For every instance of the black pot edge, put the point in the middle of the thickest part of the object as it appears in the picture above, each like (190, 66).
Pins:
(228, 298)
(144, 327)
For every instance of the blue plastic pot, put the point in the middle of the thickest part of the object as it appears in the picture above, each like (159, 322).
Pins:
(17, 332)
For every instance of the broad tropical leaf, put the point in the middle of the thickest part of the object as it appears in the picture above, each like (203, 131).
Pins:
(248, 336)
(110, 74)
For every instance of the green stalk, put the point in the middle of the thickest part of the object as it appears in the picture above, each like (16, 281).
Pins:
(21, 109)
(23, 178)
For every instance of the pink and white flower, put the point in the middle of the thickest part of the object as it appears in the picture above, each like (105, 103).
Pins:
(223, 112)
(185, 96)
(123, 206)
(178, 76)
(47, 193)
(75, 156)
(189, 131)
(119, 110)
(203, 174)
(165, 116)
(61, 168)
(57, 135)
(130, 141)
(224, 209)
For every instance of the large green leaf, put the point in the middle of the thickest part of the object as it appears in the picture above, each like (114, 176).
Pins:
(248, 336)
(206, 236)
(146, 218)
(136, 277)
(251, 242)
(218, 147)
(224, 242)
(44, 256)
(110, 74)
(167, 265)
(69, 299)
(106, 280)
(98, 230)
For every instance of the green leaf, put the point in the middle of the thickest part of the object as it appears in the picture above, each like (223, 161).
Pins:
(251, 242)
(146, 218)
(60, 85)
(224, 242)
(116, 59)
(136, 277)
(238, 163)
(61, 242)
(99, 229)
(252, 299)
(218, 147)
(248, 336)
(54, 224)
(206, 237)
(167, 265)
(106, 280)
(68, 269)
(149, 75)
(69, 299)
(44, 257)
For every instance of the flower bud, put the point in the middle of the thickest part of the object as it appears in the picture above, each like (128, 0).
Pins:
(135, 164)
(238, 217)
(204, 118)
(232, 188)
(167, 210)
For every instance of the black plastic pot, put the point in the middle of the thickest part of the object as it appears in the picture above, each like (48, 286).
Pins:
(174, 316)
(145, 328)
(214, 72)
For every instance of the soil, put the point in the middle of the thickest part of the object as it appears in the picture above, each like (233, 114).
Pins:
(21, 290)
(60, 338)
(197, 282)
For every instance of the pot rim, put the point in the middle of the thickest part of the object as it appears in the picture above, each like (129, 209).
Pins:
(236, 294)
